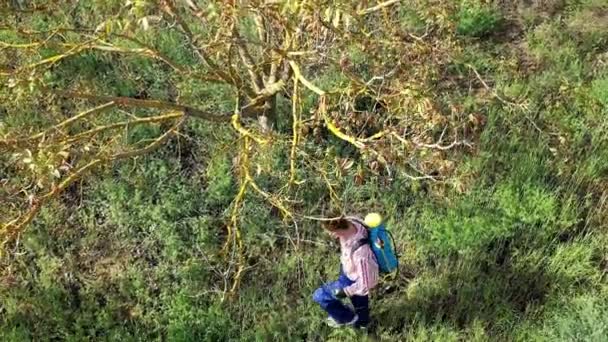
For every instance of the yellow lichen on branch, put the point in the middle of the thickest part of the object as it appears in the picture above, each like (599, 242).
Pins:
(295, 127)
(236, 124)
(75, 118)
(378, 7)
(129, 123)
(323, 107)
(336, 131)
(234, 234)
(238, 241)
(270, 198)
(13, 228)
(74, 50)
(298, 75)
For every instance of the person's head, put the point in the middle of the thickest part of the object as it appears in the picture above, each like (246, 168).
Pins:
(340, 227)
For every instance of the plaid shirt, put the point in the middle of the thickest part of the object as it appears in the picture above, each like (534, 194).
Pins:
(358, 264)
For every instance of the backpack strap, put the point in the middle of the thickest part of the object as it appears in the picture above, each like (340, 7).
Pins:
(358, 220)
(365, 240)
(361, 243)
(394, 245)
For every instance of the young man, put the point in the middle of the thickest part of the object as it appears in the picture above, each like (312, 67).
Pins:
(358, 275)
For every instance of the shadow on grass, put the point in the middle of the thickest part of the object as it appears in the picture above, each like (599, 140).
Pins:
(460, 293)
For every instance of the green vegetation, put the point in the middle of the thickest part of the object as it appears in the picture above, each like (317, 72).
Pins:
(503, 236)
(477, 19)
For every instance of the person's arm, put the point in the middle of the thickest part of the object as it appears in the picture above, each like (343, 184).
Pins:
(367, 273)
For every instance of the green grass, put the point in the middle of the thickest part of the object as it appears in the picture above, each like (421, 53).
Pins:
(476, 19)
(512, 246)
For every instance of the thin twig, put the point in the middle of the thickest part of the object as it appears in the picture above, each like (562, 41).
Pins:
(519, 106)
(377, 7)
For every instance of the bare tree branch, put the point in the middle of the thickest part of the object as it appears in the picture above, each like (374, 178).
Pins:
(257, 83)
(13, 142)
(378, 7)
(157, 104)
(172, 11)
(13, 228)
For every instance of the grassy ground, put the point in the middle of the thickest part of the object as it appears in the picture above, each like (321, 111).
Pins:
(511, 247)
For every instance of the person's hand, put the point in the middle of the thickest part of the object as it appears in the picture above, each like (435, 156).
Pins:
(339, 293)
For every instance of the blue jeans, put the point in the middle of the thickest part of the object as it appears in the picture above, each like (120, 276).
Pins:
(334, 307)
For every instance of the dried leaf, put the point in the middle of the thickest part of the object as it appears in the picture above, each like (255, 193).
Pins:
(381, 159)
(336, 19)
(374, 167)
(360, 177)
(348, 164)
(100, 27)
(144, 23)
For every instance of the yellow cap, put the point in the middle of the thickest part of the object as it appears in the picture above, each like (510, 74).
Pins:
(373, 220)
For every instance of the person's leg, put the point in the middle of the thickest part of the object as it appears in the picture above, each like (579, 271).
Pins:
(334, 307)
(361, 304)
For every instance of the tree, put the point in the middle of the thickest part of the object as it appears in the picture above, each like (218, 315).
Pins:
(383, 101)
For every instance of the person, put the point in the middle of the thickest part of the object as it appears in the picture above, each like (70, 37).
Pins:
(358, 275)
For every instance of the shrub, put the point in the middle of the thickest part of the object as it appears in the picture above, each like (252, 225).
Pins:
(190, 321)
(477, 20)
(599, 90)
(583, 318)
(220, 184)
